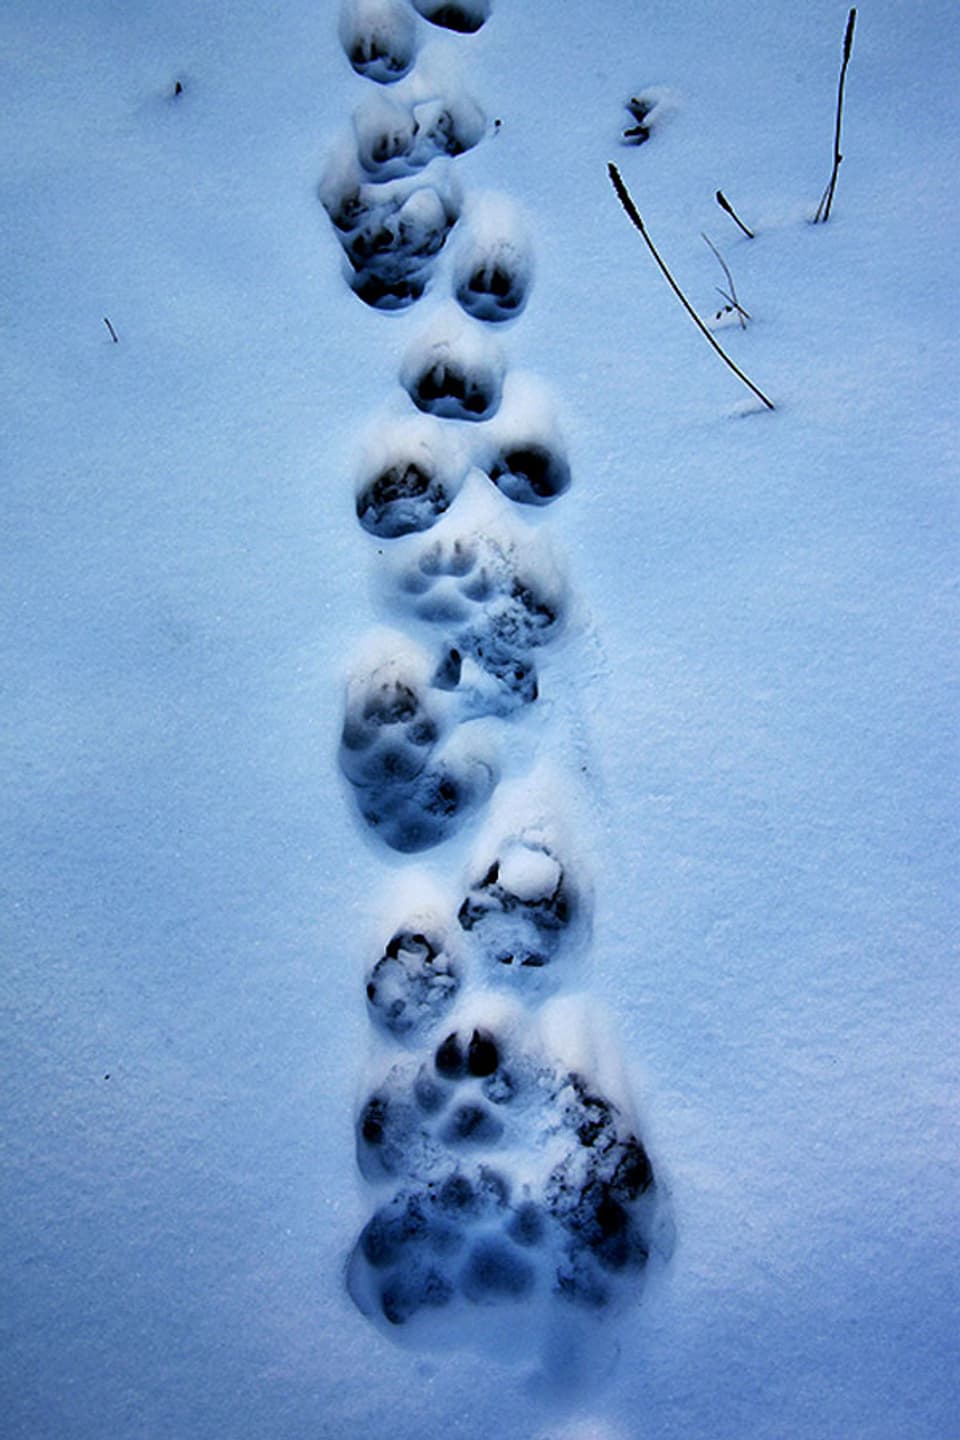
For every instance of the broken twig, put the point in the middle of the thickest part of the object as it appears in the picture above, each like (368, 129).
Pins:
(734, 304)
(113, 334)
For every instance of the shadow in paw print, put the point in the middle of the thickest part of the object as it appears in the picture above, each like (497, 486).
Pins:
(496, 1271)
(454, 371)
(379, 38)
(495, 612)
(492, 291)
(408, 477)
(412, 1255)
(530, 474)
(391, 251)
(394, 139)
(454, 389)
(417, 815)
(411, 796)
(493, 271)
(464, 16)
(412, 985)
(390, 232)
(401, 499)
(522, 451)
(389, 729)
(521, 908)
(601, 1193)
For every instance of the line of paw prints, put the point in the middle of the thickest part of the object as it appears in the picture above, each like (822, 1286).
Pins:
(492, 591)
(390, 201)
(413, 470)
(510, 1174)
(416, 771)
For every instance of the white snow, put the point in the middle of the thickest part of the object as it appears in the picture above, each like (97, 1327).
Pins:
(745, 735)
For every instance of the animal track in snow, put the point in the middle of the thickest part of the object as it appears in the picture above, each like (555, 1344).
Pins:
(496, 596)
(413, 984)
(395, 139)
(454, 371)
(410, 791)
(511, 1176)
(392, 219)
(390, 232)
(464, 16)
(493, 270)
(497, 1134)
(522, 909)
(408, 478)
(379, 38)
(522, 450)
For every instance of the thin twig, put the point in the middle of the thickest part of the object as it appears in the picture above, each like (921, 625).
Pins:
(113, 334)
(623, 195)
(732, 297)
(826, 200)
(732, 305)
(724, 204)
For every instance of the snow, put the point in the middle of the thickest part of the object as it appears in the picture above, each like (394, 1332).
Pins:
(743, 751)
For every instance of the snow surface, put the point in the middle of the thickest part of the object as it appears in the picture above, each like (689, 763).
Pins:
(746, 728)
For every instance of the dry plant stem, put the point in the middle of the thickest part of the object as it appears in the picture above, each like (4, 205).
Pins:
(623, 195)
(826, 199)
(742, 314)
(724, 204)
(113, 334)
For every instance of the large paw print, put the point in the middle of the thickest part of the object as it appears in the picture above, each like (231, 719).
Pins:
(390, 232)
(493, 270)
(389, 729)
(408, 478)
(497, 602)
(412, 796)
(515, 1176)
(522, 450)
(379, 38)
(454, 371)
(413, 984)
(522, 908)
(394, 138)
